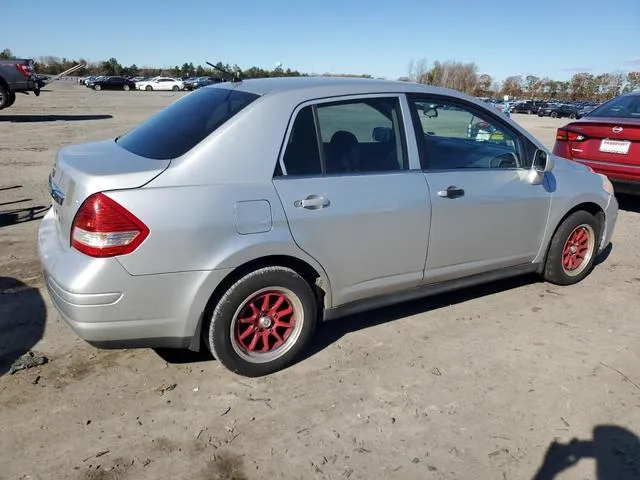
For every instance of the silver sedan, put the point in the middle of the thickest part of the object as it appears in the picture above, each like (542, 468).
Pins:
(244, 213)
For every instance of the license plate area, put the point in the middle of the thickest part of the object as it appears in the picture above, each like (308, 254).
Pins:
(621, 147)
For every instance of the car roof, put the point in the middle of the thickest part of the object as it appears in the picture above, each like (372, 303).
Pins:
(331, 86)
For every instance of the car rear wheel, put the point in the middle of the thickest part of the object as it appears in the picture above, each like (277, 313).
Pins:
(148, 88)
(572, 116)
(572, 252)
(126, 88)
(11, 100)
(4, 97)
(263, 321)
(554, 114)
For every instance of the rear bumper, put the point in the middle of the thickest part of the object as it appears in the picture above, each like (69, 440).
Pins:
(24, 86)
(109, 308)
(626, 175)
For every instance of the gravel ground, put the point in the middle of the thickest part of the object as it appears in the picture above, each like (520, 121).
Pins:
(478, 384)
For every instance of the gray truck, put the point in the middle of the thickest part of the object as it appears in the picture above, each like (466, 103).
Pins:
(17, 76)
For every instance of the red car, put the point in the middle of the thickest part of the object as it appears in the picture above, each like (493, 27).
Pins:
(608, 140)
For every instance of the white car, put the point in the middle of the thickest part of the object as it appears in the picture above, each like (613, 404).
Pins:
(161, 83)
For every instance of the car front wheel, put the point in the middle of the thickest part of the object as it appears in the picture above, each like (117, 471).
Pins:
(263, 321)
(573, 248)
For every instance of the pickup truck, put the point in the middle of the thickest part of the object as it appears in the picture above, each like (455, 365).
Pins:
(17, 76)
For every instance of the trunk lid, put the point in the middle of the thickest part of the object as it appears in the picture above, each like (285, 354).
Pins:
(621, 138)
(82, 170)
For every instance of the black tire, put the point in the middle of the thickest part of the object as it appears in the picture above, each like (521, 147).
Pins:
(175, 88)
(4, 98)
(554, 114)
(561, 247)
(572, 116)
(97, 88)
(224, 333)
(12, 99)
(148, 88)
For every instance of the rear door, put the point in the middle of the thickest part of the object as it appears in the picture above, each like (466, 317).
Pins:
(485, 214)
(354, 195)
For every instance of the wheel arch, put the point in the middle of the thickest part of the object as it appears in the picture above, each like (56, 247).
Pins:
(316, 279)
(589, 206)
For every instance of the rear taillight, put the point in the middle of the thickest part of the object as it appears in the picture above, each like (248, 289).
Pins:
(25, 70)
(569, 136)
(104, 228)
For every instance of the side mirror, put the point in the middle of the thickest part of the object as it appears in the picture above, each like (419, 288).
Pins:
(382, 134)
(429, 111)
(542, 162)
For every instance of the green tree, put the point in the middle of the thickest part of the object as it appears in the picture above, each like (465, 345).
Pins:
(6, 54)
(111, 67)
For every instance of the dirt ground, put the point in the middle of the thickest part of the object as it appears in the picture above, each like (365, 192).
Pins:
(473, 385)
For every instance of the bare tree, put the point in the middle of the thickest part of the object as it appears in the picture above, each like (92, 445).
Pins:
(418, 71)
(512, 86)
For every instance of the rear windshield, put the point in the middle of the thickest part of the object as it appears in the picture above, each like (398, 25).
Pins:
(621, 107)
(182, 125)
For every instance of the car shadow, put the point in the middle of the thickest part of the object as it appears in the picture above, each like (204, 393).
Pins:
(177, 356)
(604, 254)
(51, 118)
(615, 449)
(629, 203)
(332, 331)
(22, 215)
(23, 315)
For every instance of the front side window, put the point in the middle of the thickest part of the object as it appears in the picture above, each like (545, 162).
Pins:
(453, 136)
(356, 136)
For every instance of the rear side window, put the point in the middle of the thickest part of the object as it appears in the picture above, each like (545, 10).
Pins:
(348, 137)
(181, 126)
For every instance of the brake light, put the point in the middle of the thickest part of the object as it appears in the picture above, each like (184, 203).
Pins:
(565, 135)
(104, 228)
(25, 70)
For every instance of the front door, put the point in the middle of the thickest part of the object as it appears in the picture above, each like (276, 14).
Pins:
(351, 199)
(485, 214)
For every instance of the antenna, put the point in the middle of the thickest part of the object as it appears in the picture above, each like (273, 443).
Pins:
(233, 78)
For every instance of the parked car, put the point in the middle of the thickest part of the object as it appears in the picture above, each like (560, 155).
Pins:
(161, 83)
(560, 110)
(607, 140)
(244, 213)
(200, 82)
(111, 83)
(528, 107)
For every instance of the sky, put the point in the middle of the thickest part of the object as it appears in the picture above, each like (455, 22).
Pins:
(554, 38)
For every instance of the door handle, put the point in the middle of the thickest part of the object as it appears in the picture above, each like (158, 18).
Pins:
(312, 202)
(451, 192)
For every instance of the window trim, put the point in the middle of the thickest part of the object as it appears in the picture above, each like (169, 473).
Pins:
(341, 99)
(522, 143)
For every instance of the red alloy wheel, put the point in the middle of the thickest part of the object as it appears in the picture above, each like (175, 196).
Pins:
(264, 323)
(577, 250)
